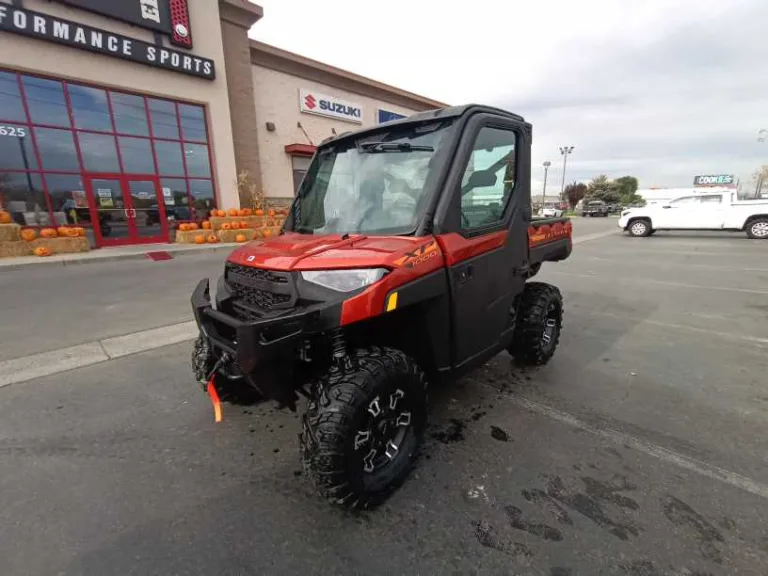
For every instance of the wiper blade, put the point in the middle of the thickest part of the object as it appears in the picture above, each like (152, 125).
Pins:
(393, 147)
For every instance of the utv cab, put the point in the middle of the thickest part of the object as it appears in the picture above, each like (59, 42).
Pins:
(405, 260)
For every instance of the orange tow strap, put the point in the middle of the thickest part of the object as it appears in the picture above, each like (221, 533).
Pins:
(214, 400)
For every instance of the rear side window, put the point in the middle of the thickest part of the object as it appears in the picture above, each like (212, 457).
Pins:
(711, 199)
(489, 178)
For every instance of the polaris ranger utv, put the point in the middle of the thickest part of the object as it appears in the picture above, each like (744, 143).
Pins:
(405, 259)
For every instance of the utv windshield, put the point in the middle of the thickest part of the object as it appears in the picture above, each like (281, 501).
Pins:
(374, 185)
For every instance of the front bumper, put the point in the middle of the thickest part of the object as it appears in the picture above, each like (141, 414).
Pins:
(622, 223)
(253, 343)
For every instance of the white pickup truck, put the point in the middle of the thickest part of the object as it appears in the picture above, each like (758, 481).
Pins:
(720, 211)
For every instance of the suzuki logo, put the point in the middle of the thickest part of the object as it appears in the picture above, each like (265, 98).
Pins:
(310, 102)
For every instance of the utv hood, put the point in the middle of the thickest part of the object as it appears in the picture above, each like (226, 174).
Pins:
(293, 251)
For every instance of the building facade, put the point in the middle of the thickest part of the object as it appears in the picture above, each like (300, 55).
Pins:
(129, 117)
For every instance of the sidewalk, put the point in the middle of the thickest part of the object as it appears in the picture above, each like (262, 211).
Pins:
(138, 252)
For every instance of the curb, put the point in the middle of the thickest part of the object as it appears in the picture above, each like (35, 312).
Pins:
(66, 260)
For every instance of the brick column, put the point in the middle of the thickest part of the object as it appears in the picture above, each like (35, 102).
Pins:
(237, 16)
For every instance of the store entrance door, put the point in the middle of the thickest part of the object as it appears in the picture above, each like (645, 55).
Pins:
(129, 210)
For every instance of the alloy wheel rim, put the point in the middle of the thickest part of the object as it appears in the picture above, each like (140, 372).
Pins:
(760, 229)
(638, 228)
(388, 421)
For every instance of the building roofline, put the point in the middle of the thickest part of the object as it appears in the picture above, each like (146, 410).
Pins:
(281, 60)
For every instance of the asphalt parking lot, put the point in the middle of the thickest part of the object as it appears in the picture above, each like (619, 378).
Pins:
(639, 450)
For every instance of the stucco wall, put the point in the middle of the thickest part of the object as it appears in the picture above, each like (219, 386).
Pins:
(277, 101)
(33, 55)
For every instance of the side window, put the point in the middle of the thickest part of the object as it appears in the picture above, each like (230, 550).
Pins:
(684, 201)
(713, 199)
(489, 179)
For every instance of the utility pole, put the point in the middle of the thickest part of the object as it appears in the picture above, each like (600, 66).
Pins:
(546, 165)
(564, 150)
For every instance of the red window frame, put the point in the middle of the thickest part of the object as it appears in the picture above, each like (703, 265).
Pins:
(74, 130)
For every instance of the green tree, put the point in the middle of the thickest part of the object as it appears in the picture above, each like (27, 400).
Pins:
(627, 186)
(602, 188)
(574, 192)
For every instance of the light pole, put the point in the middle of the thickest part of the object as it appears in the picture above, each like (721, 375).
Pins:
(564, 150)
(546, 165)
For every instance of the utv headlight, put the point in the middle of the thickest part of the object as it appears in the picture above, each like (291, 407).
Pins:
(344, 280)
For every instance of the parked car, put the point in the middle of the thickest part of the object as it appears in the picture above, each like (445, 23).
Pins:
(594, 208)
(551, 210)
(701, 212)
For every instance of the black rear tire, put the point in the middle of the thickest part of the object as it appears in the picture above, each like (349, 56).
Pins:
(539, 323)
(364, 427)
(757, 229)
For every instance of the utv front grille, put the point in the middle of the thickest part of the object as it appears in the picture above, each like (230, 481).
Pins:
(262, 290)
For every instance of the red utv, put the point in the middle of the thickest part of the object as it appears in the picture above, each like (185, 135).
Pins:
(404, 260)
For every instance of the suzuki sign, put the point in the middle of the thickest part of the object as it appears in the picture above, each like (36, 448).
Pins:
(312, 102)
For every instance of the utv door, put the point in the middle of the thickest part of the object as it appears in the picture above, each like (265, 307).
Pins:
(482, 222)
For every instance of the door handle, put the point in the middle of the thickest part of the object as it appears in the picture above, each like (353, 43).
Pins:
(465, 275)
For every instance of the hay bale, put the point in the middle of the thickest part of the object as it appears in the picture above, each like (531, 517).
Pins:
(10, 232)
(62, 245)
(188, 236)
(230, 235)
(17, 248)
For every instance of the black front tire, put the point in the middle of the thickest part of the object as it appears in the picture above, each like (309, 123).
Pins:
(539, 323)
(639, 228)
(364, 426)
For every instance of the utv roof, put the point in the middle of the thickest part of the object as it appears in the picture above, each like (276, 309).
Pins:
(437, 114)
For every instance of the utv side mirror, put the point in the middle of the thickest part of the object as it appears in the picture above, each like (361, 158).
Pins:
(481, 179)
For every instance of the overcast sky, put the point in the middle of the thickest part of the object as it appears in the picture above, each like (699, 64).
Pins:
(659, 89)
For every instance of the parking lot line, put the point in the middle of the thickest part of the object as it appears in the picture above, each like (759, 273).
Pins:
(679, 460)
(588, 237)
(638, 280)
(727, 335)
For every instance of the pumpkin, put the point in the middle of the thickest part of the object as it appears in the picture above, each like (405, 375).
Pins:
(219, 213)
(42, 251)
(226, 226)
(244, 224)
(233, 211)
(247, 212)
(240, 238)
(259, 212)
(193, 226)
(267, 233)
(206, 225)
(183, 227)
(234, 225)
(72, 233)
(212, 238)
(80, 231)
(48, 233)
(271, 213)
(199, 239)
(29, 234)
(241, 212)
(5, 217)
(62, 231)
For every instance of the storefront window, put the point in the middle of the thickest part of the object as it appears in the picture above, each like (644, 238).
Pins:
(136, 154)
(163, 116)
(57, 137)
(57, 149)
(196, 156)
(202, 197)
(45, 100)
(99, 153)
(130, 115)
(169, 162)
(176, 198)
(16, 150)
(192, 123)
(89, 107)
(11, 107)
(22, 195)
(68, 200)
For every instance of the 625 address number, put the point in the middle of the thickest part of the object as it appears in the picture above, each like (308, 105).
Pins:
(16, 131)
